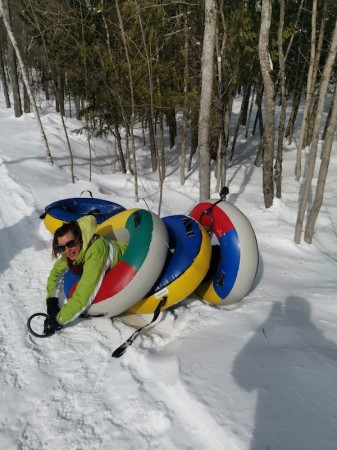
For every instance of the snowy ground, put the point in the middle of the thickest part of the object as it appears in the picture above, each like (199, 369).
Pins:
(258, 377)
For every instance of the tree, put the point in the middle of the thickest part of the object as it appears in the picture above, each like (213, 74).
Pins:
(4, 81)
(310, 91)
(323, 171)
(132, 98)
(314, 145)
(12, 66)
(207, 64)
(281, 127)
(269, 131)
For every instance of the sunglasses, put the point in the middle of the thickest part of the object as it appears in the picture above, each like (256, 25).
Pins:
(69, 244)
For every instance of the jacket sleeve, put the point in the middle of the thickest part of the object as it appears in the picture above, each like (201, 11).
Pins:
(59, 267)
(97, 261)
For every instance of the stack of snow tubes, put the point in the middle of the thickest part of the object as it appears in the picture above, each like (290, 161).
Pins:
(212, 251)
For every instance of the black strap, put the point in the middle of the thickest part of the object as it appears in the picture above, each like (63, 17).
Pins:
(30, 328)
(90, 193)
(92, 316)
(122, 348)
(208, 212)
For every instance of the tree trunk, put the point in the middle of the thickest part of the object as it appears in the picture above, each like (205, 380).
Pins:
(4, 81)
(152, 141)
(12, 66)
(151, 111)
(161, 165)
(281, 127)
(185, 106)
(242, 120)
(269, 131)
(323, 171)
(310, 91)
(172, 124)
(314, 145)
(26, 101)
(121, 159)
(318, 55)
(207, 70)
(250, 112)
(60, 92)
(259, 116)
(194, 135)
(298, 90)
(132, 98)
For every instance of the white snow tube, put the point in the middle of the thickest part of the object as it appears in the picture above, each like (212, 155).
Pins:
(134, 275)
(235, 260)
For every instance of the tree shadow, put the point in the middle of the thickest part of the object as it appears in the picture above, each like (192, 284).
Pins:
(292, 367)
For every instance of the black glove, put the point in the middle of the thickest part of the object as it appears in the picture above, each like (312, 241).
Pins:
(51, 325)
(52, 306)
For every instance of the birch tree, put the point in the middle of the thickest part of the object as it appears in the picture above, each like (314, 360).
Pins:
(323, 171)
(132, 98)
(4, 81)
(12, 66)
(315, 139)
(4, 14)
(207, 70)
(310, 91)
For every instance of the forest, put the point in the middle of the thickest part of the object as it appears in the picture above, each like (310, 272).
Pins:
(175, 68)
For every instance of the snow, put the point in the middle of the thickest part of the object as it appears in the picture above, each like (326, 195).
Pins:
(258, 376)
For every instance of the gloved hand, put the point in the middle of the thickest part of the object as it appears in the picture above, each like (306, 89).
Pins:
(51, 325)
(52, 306)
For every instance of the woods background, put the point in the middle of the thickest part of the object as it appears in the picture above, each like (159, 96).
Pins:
(113, 64)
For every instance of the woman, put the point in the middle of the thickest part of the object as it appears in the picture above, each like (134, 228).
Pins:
(84, 253)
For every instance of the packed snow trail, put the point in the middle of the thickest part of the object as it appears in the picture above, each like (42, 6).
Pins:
(259, 376)
(38, 374)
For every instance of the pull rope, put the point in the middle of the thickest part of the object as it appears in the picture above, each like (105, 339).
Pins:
(208, 212)
(30, 327)
(122, 348)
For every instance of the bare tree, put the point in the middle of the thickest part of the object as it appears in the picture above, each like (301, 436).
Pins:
(185, 108)
(314, 145)
(269, 131)
(4, 81)
(4, 14)
(132, 98)
(12, 64)
(207, 64)
(311, 80)
(323, 171)
(281, 127)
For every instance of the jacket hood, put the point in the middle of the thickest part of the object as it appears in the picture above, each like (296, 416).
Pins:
(88, 227)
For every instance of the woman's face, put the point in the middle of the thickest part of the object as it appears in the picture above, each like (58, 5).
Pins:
(68, 246)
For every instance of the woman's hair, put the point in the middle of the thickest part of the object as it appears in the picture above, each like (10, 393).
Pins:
(72, 226)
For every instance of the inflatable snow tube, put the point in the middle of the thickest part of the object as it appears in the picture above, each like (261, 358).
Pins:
(134, 275)
(186, 265)
(235, 260)
(70, 209)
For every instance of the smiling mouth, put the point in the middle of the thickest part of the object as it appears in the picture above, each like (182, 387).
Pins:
(72, 254)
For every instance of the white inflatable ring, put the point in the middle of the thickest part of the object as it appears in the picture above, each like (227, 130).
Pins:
(135, 274)
(234, 272)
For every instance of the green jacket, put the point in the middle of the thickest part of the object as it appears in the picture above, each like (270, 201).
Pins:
(97, 258)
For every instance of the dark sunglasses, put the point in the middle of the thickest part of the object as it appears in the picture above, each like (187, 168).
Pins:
(69, 244)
